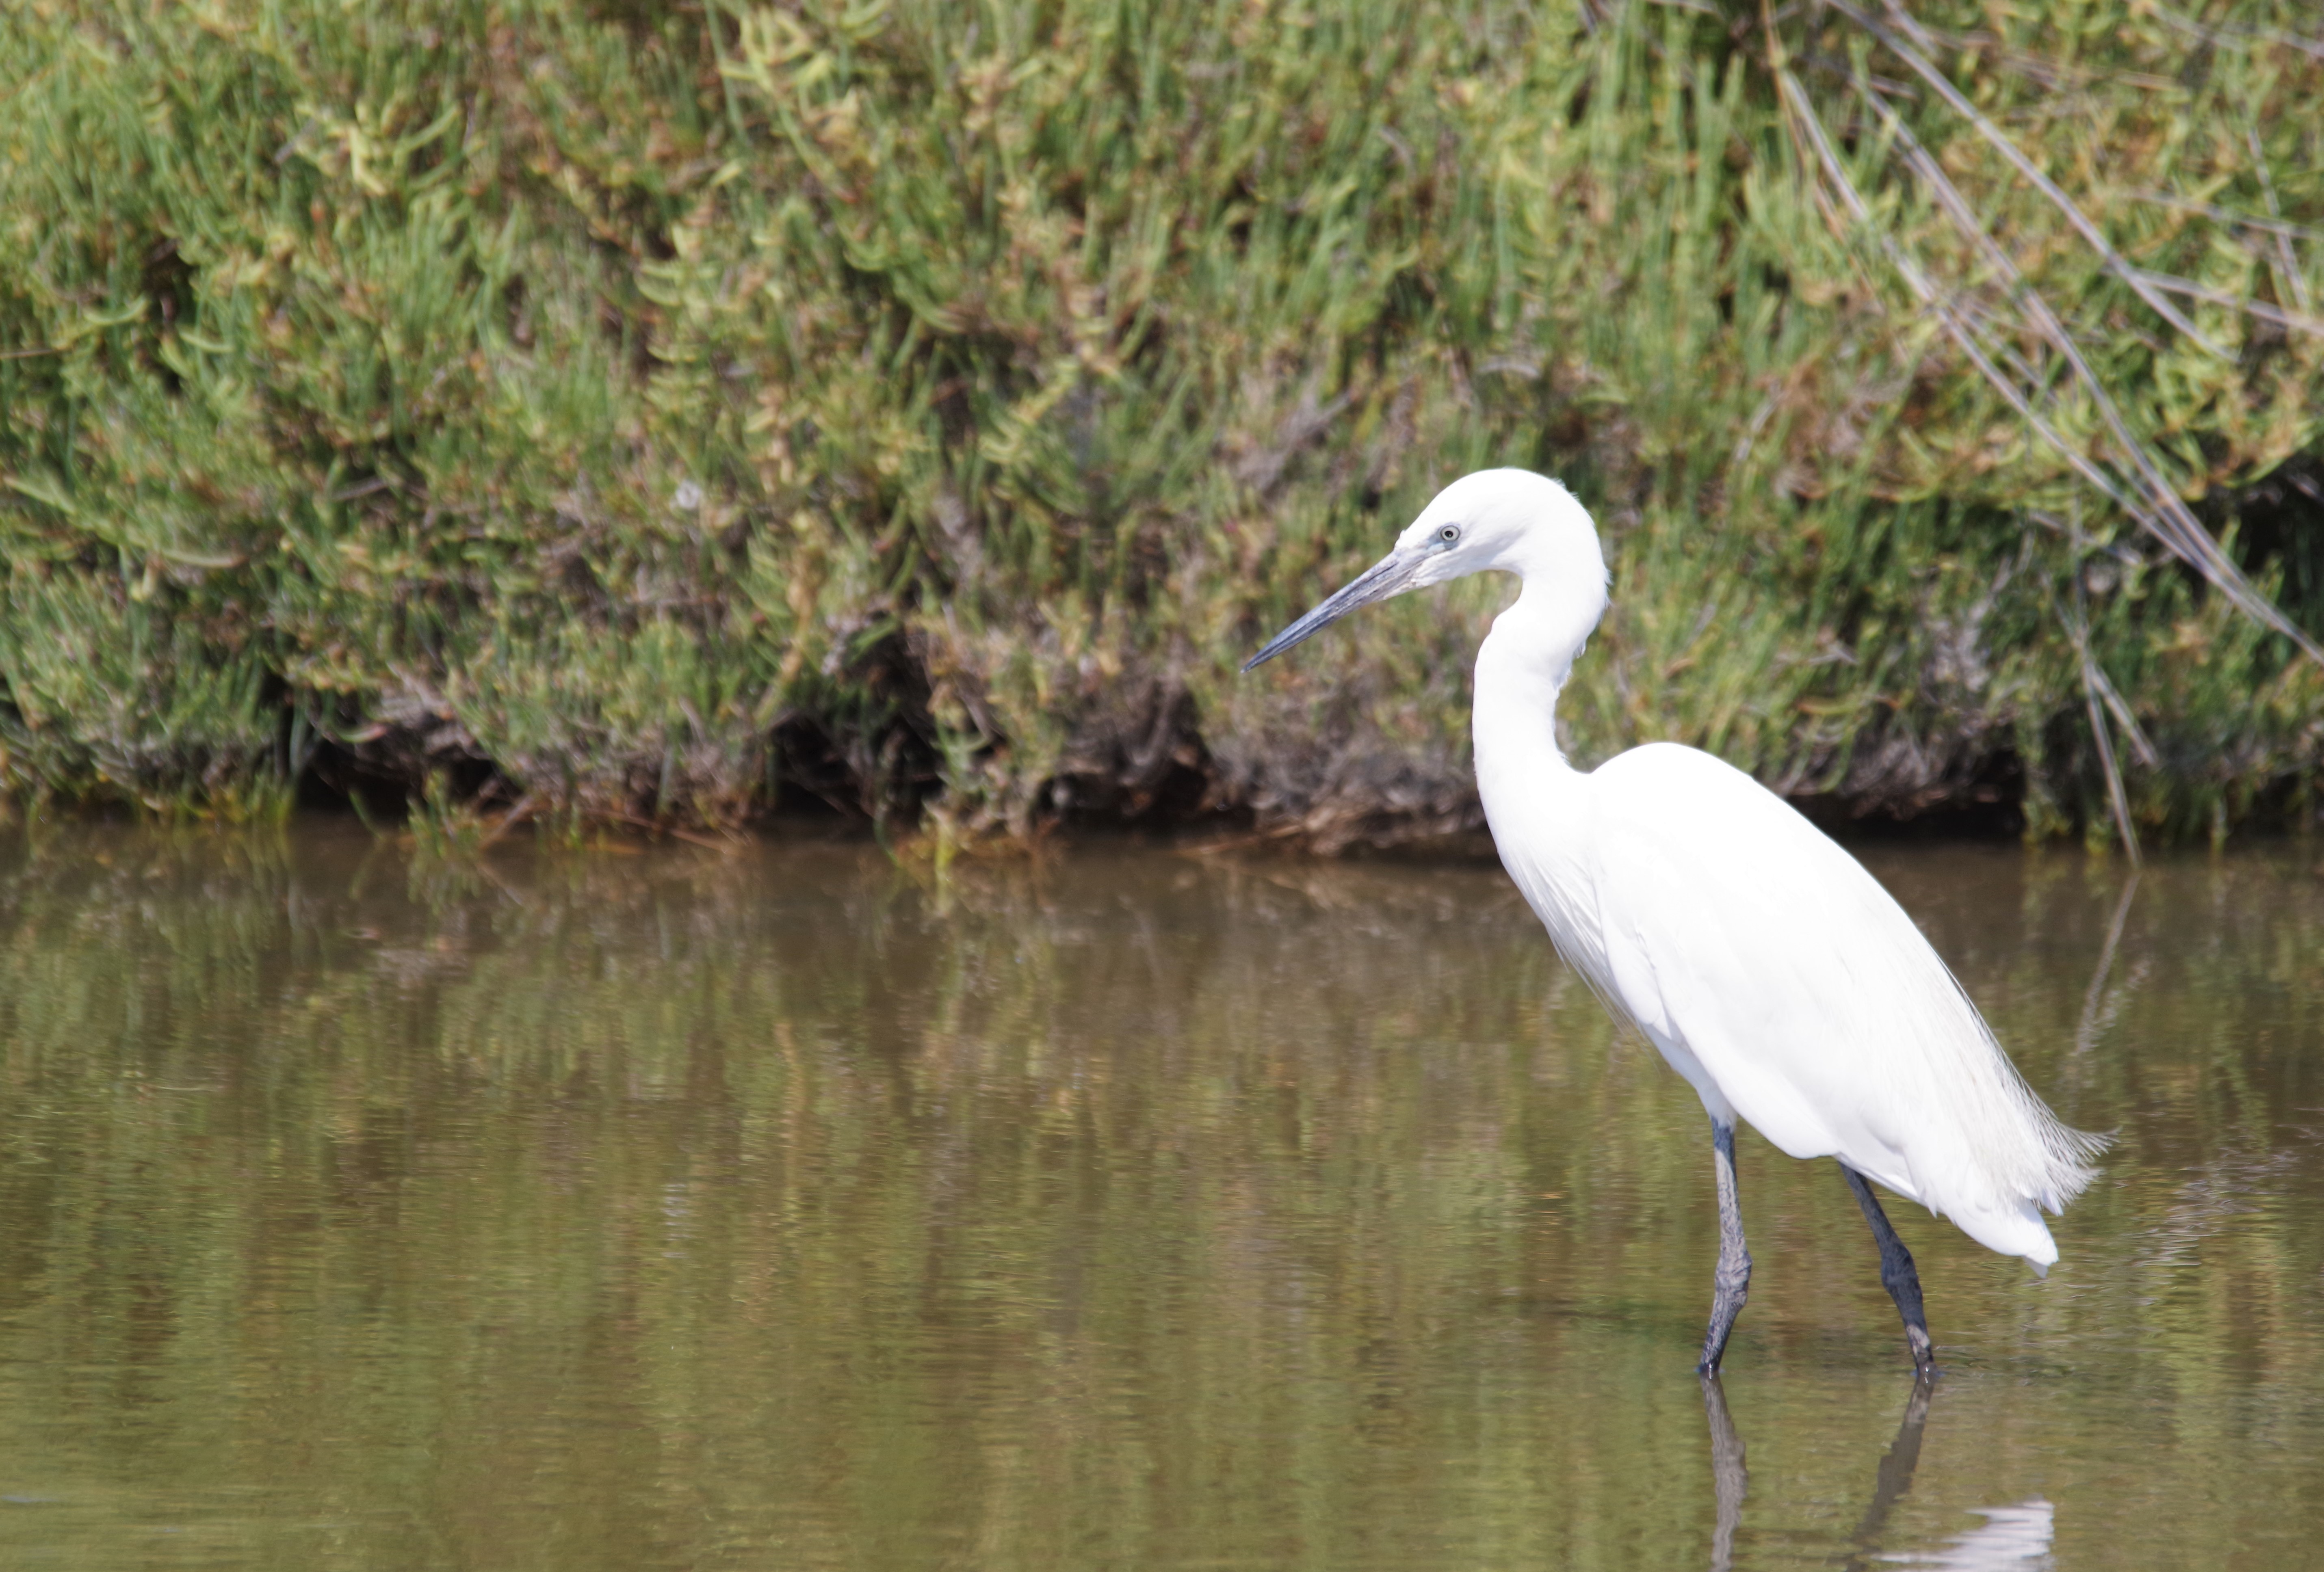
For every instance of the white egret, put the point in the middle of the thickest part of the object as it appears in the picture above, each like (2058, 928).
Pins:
(1767, 966)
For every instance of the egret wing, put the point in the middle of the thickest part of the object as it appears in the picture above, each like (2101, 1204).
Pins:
(1761, 957)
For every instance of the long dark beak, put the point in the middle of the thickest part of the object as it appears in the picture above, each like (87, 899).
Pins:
(1390, 576)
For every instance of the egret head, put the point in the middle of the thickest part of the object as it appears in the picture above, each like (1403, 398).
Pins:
(1510, 520)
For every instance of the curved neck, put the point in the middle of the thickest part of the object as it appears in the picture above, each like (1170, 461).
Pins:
(1520, 667)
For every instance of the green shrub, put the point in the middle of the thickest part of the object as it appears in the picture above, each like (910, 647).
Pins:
(667, 413)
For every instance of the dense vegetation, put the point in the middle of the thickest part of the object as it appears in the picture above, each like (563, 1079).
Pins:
(617, 412)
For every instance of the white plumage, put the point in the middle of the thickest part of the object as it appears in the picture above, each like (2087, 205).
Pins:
(1761, 960)
(1786, 985)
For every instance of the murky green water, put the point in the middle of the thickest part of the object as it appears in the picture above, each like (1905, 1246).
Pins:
(1129, 1211)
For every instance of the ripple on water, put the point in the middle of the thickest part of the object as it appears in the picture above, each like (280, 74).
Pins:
(1122, 1208)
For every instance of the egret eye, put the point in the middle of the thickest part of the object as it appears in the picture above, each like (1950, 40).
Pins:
(1449, 534)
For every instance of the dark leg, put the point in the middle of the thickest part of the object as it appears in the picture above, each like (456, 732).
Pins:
(1732, 1281)
(1896, 1274)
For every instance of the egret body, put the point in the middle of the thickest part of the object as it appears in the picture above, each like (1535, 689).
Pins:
(1762, 962)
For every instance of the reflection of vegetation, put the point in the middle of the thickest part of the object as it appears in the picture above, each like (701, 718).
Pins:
(656, 1209)
(644, 410)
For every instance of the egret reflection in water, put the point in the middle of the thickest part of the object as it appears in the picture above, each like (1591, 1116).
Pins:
(2011, 1540)
(788, 1209)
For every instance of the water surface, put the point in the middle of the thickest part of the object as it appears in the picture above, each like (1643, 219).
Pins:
(1122, 1210)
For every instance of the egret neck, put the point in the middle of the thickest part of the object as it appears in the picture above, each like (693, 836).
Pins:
(1537, 804)
(1522, 667)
